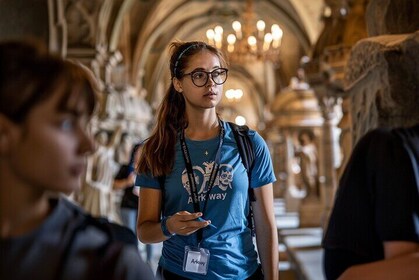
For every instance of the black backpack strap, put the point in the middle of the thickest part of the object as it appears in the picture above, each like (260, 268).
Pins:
(247, 154)
(244, 143)
(116, 232)
(108, 254)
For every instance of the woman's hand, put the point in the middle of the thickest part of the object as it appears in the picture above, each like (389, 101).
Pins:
(185, 223)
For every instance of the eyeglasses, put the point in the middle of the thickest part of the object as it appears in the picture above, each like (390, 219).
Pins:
(200, 77)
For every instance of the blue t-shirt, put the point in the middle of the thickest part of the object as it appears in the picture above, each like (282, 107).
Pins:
(229, 240)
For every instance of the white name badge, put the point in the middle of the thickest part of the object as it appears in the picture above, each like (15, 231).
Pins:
(196, 260)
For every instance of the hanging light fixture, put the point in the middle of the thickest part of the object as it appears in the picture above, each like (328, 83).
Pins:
(234, 95)
(249, 41)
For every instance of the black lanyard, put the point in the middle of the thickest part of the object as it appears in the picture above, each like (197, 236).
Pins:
(191, 177)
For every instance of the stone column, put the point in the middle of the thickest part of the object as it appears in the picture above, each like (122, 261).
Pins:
(328, 181)
(325, 79)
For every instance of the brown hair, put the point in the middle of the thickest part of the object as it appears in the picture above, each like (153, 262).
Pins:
(158, 154)
(30, 75)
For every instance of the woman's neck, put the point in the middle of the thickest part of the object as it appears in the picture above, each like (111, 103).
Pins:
(21, 212)
(202, 128)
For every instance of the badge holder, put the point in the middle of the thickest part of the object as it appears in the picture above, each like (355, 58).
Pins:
(196, 260)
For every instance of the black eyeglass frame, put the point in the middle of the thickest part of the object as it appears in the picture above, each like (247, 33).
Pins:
(208, 75)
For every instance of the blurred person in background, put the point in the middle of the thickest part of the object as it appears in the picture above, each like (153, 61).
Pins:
(45, 105)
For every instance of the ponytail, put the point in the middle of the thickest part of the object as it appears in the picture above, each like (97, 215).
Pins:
(158, 153)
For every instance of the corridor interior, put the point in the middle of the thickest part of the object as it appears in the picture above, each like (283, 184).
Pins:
(339, 69)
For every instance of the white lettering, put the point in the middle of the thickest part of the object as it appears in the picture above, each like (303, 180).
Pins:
(193, 261)
(212, 196)
(201, 197)
(218, 196)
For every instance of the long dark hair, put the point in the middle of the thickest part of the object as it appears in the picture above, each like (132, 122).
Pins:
(158, 154)
(29, 75)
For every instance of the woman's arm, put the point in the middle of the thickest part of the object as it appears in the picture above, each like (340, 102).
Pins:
(266, 231)
(149, 212)
(401, 262)
(148, 222)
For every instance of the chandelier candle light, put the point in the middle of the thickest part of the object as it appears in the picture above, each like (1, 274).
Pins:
(249, 42)
(234, 95)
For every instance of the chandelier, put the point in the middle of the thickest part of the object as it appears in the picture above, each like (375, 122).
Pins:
(249, 41)
(234, 95)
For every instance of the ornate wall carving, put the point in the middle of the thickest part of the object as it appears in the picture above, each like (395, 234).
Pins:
(82, 22)
(383, 82)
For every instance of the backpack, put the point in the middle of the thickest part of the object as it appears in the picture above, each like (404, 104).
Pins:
(247, 154)
(106, 256)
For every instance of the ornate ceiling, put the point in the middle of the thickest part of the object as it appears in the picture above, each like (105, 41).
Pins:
(142, 29)
(154, 24)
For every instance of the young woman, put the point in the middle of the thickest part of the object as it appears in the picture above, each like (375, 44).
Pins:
(194, 186)
(45, 104)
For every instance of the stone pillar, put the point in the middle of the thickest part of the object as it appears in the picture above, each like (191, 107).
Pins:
(326, 80)
(328, 179)
(344, 25)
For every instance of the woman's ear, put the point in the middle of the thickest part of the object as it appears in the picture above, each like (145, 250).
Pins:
(177, 84)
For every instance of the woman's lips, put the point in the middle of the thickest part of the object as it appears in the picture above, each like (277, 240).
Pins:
(210, 94)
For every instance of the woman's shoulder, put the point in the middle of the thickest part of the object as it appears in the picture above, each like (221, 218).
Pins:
(230, 126)
(257, 140)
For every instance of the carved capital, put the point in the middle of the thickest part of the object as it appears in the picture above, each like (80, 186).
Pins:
(382, 82)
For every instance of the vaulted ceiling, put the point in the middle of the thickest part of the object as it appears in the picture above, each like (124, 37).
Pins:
(141, 30)
(149, 27)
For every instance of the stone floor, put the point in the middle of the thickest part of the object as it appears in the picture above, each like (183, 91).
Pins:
(299, 248)
(155, 255)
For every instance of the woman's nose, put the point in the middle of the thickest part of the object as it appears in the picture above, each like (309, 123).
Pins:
(210, 81)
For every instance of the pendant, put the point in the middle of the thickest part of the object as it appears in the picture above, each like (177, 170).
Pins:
(206, 153)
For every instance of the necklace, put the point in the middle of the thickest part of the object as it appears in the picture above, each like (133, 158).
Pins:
(206, 153)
